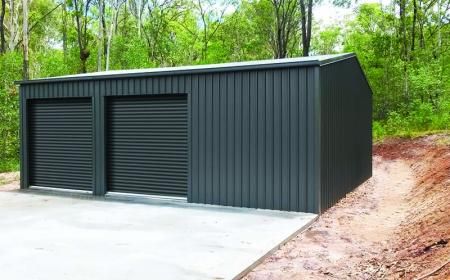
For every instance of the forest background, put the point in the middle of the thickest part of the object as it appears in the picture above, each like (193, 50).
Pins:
(402, 45)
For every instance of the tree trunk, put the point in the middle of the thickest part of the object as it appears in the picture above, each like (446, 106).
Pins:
(308, 39)
(402, 14)
(81, 28)
(439, 36)
(414, 23)
(25, 66)
(13, 25)
(108, 44)
(306, 22)
(404, 50)
(112, 27)
(64, 29)
(2, 29)
(139, 17)
(100, 36)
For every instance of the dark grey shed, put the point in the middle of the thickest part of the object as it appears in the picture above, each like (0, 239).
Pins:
(288, 134)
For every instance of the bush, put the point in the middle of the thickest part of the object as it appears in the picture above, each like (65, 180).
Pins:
(11, 65)
(378, 131)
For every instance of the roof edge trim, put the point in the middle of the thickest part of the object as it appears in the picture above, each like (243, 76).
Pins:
(199, 69)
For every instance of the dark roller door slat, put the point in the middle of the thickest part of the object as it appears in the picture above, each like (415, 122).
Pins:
(147, 145)
(160, 152)
(162, 164)
(61, 143)
(39, 150)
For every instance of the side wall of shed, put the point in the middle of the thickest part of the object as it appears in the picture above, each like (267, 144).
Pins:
(248, 132)
(346, 130)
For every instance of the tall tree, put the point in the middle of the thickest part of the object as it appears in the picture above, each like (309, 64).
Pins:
(115, 5)
(211, 16)
(64, 28)
(2, 27)
(13, 25)
(25, 33)
(100, 38)
(137, 9)
(285, 12)
(157, 29)
(306, 7)
(81, 8)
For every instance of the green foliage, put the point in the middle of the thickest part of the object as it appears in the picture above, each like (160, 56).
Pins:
(327, 41)
(127, 54)
(378, 131)
(411, 85)
(9, 165)
(411, 90)
(11, 64)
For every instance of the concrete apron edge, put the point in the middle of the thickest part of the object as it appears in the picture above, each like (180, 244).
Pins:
(278, 246)
(149, 200)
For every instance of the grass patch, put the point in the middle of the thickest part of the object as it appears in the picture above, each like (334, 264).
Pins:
(408, 135)
(9, 165)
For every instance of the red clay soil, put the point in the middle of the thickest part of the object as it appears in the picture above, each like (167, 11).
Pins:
(394, 226)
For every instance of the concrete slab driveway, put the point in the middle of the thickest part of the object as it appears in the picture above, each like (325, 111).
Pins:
(63, 238)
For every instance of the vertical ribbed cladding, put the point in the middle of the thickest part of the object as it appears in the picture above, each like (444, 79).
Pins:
(247, 131)
(346, 134)
(248, 139)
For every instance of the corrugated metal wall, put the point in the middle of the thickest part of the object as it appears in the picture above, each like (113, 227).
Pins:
(346, 130)
(254, 136)
(248, 144)
(248, 139)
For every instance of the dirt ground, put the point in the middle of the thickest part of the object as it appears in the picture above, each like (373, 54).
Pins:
(394, 226)
(9, 181)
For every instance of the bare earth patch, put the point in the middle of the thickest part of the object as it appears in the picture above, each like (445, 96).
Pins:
(394, 226)
(9, 181)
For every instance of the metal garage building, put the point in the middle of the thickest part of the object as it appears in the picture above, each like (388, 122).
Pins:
(288, 134)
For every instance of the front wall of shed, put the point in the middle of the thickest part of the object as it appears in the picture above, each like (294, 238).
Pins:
(346, 130)
(249, 139)
(247, 133)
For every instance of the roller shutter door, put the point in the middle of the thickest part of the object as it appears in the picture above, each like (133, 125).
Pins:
(61, 143)
(147, 145)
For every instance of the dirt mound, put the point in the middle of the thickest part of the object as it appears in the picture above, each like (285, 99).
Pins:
(422, 247)
(394, 226)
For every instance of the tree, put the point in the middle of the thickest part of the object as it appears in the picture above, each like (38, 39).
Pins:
(81, 8)
(64, 28)
(25, 67)
(100, 36)
(137, 8)
(277, 22)
(211, 18)
(285, 14)
(156, 28)
(13, 25)
(326, 41)
(306, 7)
(2, 28)
(240, 36)
(115, 5)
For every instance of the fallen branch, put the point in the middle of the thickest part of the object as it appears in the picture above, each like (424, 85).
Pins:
(440, 242)
(433, 272)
